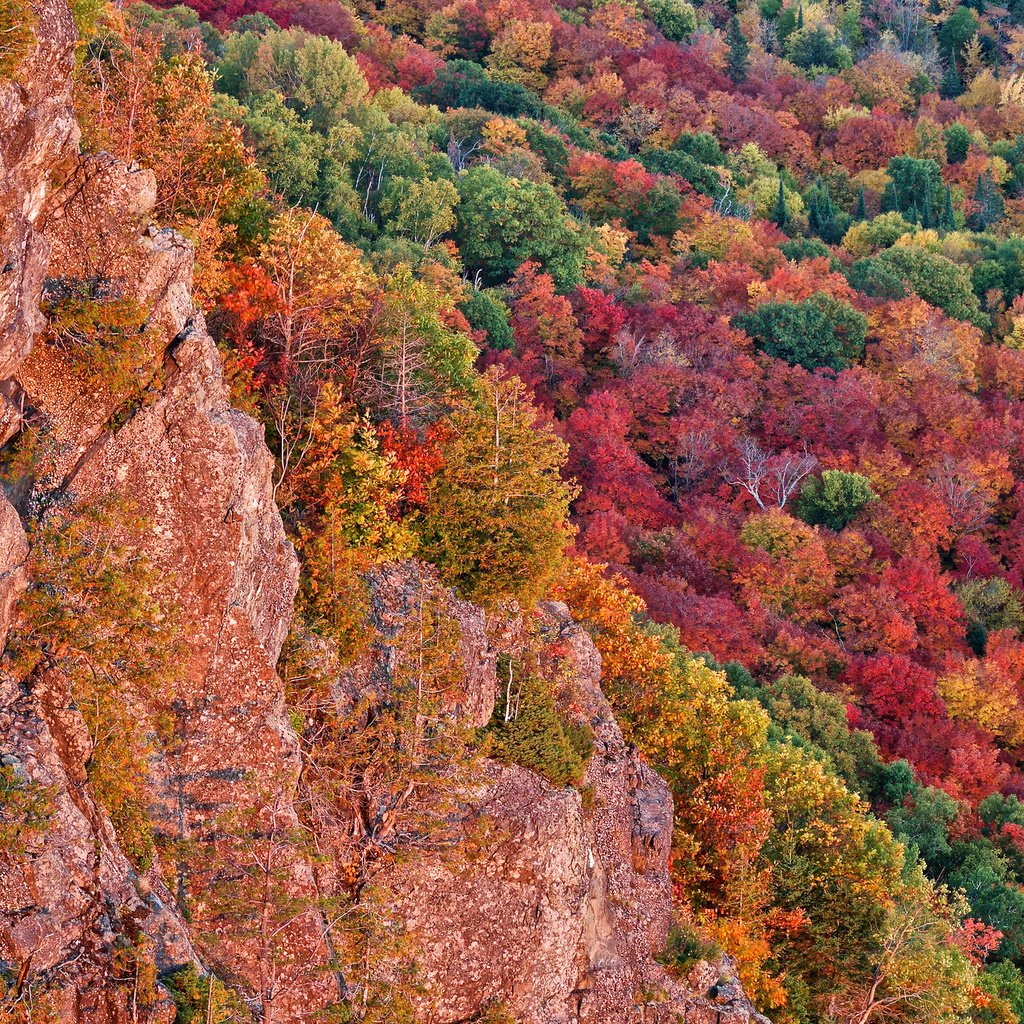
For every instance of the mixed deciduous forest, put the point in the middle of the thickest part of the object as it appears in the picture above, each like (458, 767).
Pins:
(706, 320)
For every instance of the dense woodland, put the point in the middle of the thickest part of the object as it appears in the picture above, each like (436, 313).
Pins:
(707, 321)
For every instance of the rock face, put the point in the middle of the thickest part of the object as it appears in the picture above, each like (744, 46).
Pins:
(562, 912)
(38, 138)
(558, 913)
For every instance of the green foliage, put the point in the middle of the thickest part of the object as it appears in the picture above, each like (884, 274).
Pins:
(876, 279)
(816, 50)
(26, 809)
(804, 716)
(922, 820)
(1001, 267)
(486, 312)
(702, 146)
(799, 249)
(527, 729)
(823, 331)
(87, 15)
(952, 84)
(676, 18)
(990, 604)
(958, 141)
(824, 219)
(422, 210)
(737, 61)
(988, 206)
(103, 338)
(914, 185)
(314, 75)
(1003, 983)
(463, 83)
(203, 998)
(834, 499)
(683, 948)
(780, 211)
(17, 35)
(301, 163)
(504, 222)
(985, 875)
(937, 280)
(496, 519)
(703, 178)
(957, 30)
(351, 491)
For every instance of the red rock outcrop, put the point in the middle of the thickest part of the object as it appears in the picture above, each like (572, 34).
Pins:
(560, 913)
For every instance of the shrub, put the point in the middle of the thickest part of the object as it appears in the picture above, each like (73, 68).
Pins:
(91, 612)
(834, 499)
(17, 34)
(528, 730)
(102, 337)
(202, 998)
(26, 809)
(683, 948)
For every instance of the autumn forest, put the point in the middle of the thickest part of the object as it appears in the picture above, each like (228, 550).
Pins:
(704, 320)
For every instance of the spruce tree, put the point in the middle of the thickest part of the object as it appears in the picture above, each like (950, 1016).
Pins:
(951, 85)
(815, 211)
(948, 220)
(890, 200)
(738, 61)
(780, 214)
(988, 203)
(927, 219)
(800, 18)
(861, 212)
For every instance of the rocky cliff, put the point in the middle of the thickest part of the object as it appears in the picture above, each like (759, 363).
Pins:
(565, 900)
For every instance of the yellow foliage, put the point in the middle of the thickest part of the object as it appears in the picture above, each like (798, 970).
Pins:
(982, 693)
(983, 91)
(502, 134)
(520, 54)
(836, 117)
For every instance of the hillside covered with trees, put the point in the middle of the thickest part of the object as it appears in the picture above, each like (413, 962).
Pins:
(705, 320)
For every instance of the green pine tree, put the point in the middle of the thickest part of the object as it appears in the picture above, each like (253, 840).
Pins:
(952, 85)
(927, 219)
(861, 212)
(890, 200)
(800, 18)
(738, 61)
(780, 214)
(948, 221)
(988, 204)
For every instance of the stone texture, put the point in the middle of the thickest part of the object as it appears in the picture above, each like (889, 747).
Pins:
(394, 593)
(563, 897)
(38, 139)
